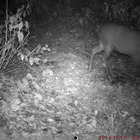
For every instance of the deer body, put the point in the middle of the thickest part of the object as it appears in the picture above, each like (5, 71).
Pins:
(119, 38)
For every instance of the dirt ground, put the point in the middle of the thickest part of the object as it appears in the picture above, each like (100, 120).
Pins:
(62, 99)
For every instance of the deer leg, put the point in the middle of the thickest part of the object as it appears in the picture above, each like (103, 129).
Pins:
(108, 68)
(109, 71)
(95, 51)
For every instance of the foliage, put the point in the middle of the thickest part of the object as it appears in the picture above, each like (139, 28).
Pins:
(83, 18)
(122, 11)
(13, 35)
(34, 56)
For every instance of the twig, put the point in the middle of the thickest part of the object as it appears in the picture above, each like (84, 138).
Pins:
(6, 21)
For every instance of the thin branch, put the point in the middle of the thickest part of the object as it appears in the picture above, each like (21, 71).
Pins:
(6, 22)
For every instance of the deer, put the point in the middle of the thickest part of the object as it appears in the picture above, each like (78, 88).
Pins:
(114, 37)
